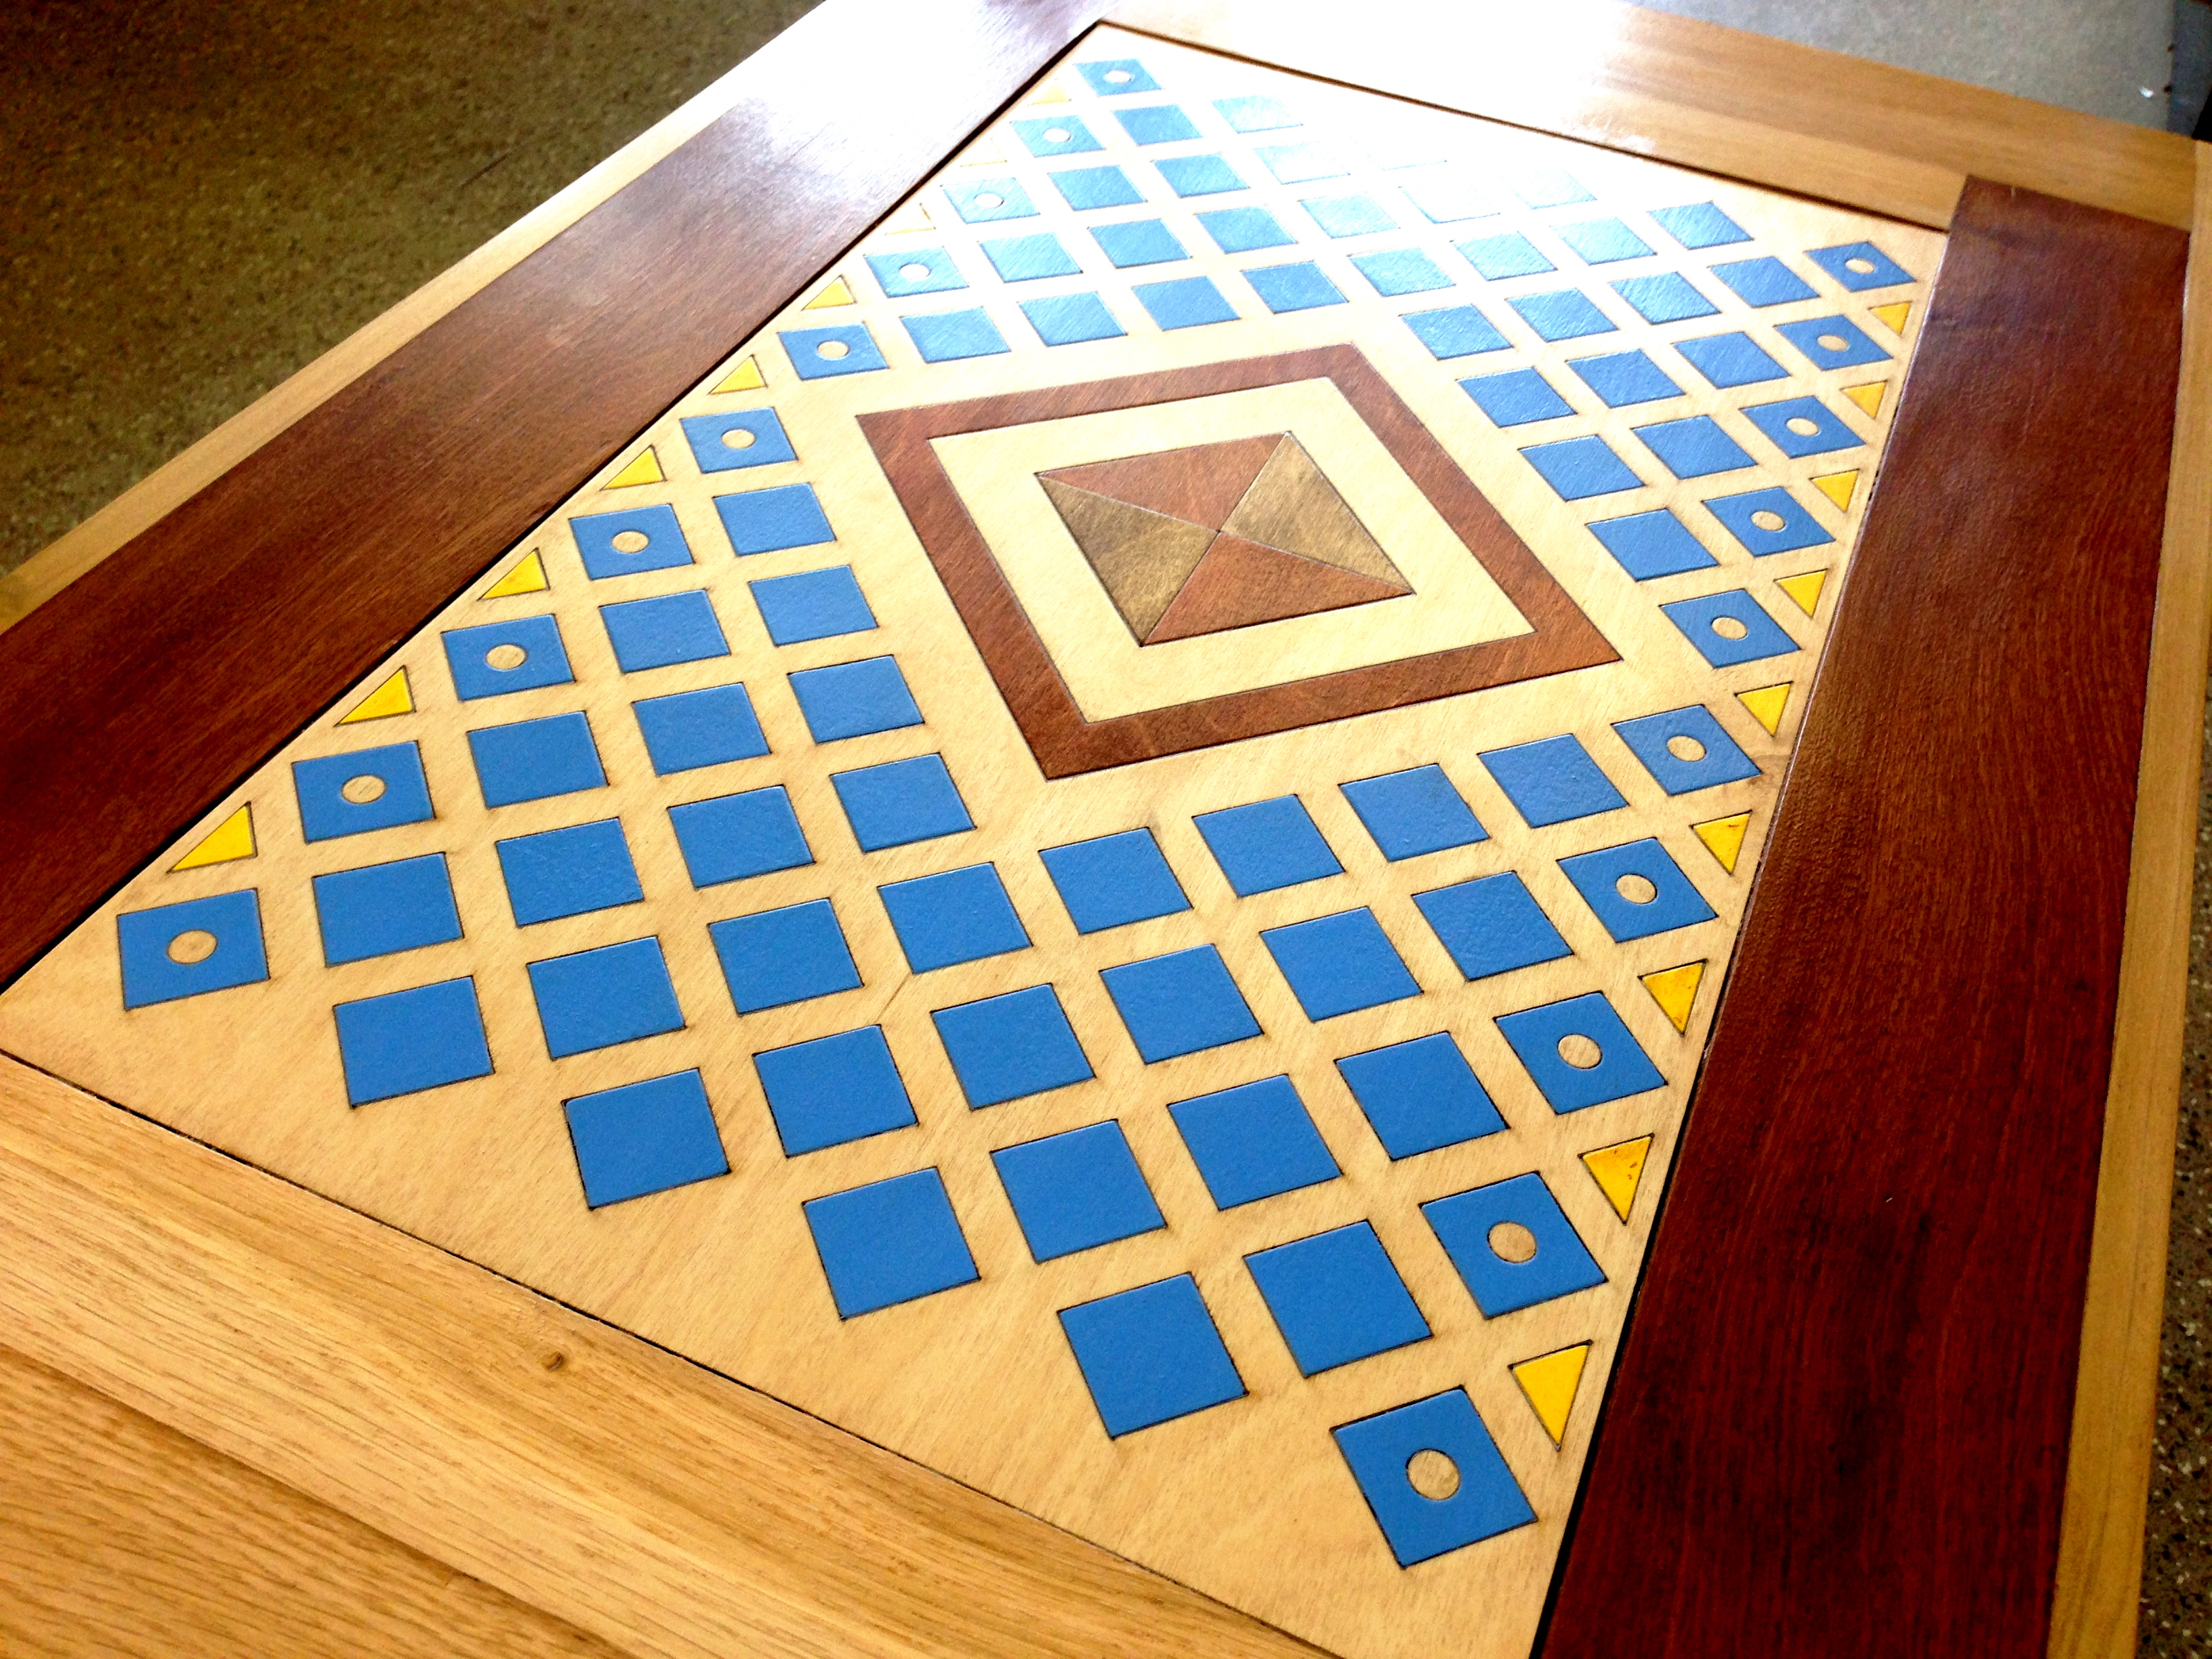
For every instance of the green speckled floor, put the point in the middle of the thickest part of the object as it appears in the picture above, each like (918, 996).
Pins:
(195, 200)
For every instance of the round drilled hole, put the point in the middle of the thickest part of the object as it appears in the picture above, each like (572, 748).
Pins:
(1511, 1242)
(1637, 890)
(192, 945)
(1579, 1051)
(1057, 135)
(1432, 1474)
(363, 789)
(1834, 343)
(738, 437)
(1731, 628)
(1859, 266)
(1684, 747)
(1120, 77)
(914, 271)
(1767, 519)
(1803, 425)
(989, 200)
(506, 657)
(631, 541)
(832, 350)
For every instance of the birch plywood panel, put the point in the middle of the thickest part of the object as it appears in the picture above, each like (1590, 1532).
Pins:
(1106, 859)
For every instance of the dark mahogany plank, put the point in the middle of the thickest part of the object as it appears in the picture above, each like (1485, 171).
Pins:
(146, 688)
(1839, 1424)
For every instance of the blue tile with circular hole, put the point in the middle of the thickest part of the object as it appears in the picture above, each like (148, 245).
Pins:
(161, 963)
(988, 201)
(832, 1090)
(665, 630)
(1298, 164)
(597, 999)
(1257, 113)
(1621, 1067)
(1491, 925)
(1072, 318)
(1859, 267)
(1768, 521)
(1516, 397)
(1637, 890)
(1339, 964)
(771, 520)
(1180, 1003)
(644, 1138)
(1109, 76)
(1200, 175)
(953, 916)
(1138, 242)
(368, 789)
(1252, 1142)
(1802, 426)
(1654, 544)
(1294, 288)
(1420, 1096)
(812, 604)
(483, 663)
(1151, 1355)
(889, 1241)
(1049, 136)
(1013, 1046)
(949, 335)
(1833, 343)
(1552, 781)
(611, 546)
(1088, 189)
(406, 1041)
(533, 759)
(382, 910)
(1731, 359)
(1029, 258)
(1664, 296)
(1456, 332)
(1348, 216)
(854, 698)
(1267, 844)
(1764, 281)
(1507, 254)
(685, 731)
(1693, 446)
(1446, 197)
(1465, 1223)
(733, 837)
(1076, 1191)
(819, 354)
(1111, 881)
(1401, 271)
(1710, 756)
(1488, 1500)
(1413, 811)
(1336, 1297)
(1244, 229)
(794, 953)
(1603, 241)
(1562, 314)
(916, 271)
(901, 802)
(1728, 628)
(1700, 225)
(738, 439)
(1579, 468)
(569, 872)
(1625, 378)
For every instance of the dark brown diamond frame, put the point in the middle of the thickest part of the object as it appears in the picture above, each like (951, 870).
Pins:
(1064, 743)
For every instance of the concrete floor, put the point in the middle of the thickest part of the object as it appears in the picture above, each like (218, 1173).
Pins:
(200, 198)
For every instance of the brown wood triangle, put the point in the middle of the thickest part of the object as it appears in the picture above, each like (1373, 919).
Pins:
(1239, 583)
(1200, 485)
(1141, 558)
(1291, 506)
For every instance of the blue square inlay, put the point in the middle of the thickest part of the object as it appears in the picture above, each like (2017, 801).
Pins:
(1057, 135)
(597, 999)
(953, 916)
(1728, 628)
(1608, 880)
(1086, 189)
(1006, 1048)
(1348, 216)
(1621, 1069)
(1256, 113)
(1693, 446)
(1740, 514)
(568, 872)
(1603, 241)
(812, 604)
(531, 760)
(1446, 197)
(1516, 397)
(916, 271)
(1418, 1527)
(1420, 1095)
(901, 801)
(687, 730)
(1545, 187)
(1138, 242)
(1188, 302)
(327, 812)
(1151, 1354)
(1109, 75)
(1413, 811)
(1198, 175)
(773, 957)
(732, 837)
(948, 336)
(1802, 426)
(1764, 281)
(1813, 335)
(1654, 544)
(1113, 880)
(1267, 844)
(1664, 296)
(483, 663)
(1552, 781)
(664, 548)
(151, 975)
(1561, 1265)
(1156, 124)
(853, 699)
(667, 630)
(1028, 258)
(1077, 1191)
(889, 1241)
(1563, 314)
(1699, 225)
(817, 354)
(987, 201)
(1071, 319)
(739, 439)
(1336, 1297)
(1456, 332)
(1721, 762)
(408, 1041)
(1180, 1003)
(1294, 288)
(1340, 963)
(1401, 271)
(644, 1138)
(1244, 229)
(1506, 254)
(1622, 378)
(833, 1089)
(1253, 1142)
(1731, 359)
(383, 910)
(1578, 468)
(770, 520)
(1295, 164)
(1859, 267)
(1491, 924)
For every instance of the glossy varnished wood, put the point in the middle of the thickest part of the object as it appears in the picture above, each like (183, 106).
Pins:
(1849, 1380)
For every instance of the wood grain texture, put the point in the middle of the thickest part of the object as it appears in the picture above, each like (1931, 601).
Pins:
(118, 1536)
(643, 1500)
(1850, 1380)
(370, 511)
(1833, 126)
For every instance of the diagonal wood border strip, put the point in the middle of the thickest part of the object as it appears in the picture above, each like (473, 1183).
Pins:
(1849, 1377)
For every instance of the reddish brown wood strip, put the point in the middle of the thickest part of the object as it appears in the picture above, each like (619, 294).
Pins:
(1839, 1424)
(140, 693)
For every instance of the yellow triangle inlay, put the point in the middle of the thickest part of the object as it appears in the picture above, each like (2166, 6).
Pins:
(1766, 705)
(985, 154)
(1723, 837)
(1868, 397)
(1895, 314)
(1840, 488)
(393, 697)
(1619, 1170)
(1550, 1381)
(835, 294)
(1675, 991)
(908, 219)
(1805, 589)
(644, 470)
(231, 839)
(528, 577)
(1048, 94)
(745, 377)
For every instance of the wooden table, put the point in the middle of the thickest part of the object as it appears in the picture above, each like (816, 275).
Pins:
(314, 1338)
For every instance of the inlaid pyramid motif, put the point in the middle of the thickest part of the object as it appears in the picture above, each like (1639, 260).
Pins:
(1220, 536)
